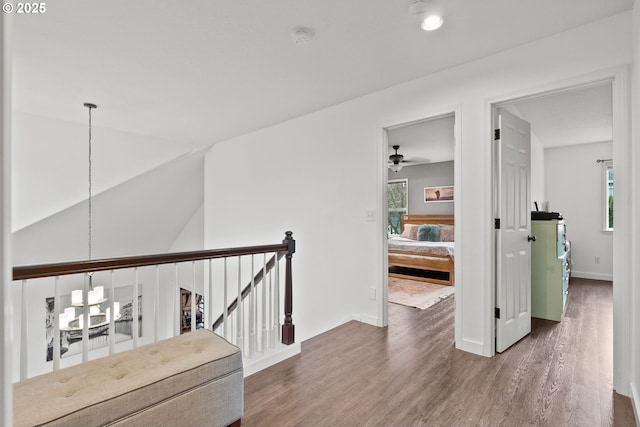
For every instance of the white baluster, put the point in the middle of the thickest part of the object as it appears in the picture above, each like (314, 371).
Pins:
(277, 325)
(135, 311)
(178, 297)
(24, 345)
(193, 296)
(225, 311)
(271, 316)
(86, 317)
(240, 330)
(57, 309)
(112, 314)
(207, 316)
(252, 312)
(156, 306)
(263, 343)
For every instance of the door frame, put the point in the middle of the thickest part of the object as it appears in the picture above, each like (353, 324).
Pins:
(381, 130)
(620, 84)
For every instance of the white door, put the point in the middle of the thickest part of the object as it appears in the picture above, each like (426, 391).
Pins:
(513, 229)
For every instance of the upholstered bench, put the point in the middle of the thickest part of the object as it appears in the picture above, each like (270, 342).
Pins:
(195, 379)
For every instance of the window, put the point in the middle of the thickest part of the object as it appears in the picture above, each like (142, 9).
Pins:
(398, 203)
(608, 223)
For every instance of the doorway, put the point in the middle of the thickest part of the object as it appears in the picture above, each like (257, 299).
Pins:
(573, 130)
(419, 156)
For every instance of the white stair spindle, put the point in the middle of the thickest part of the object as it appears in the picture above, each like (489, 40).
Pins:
(277, 299)
(177, 302)
(112, 314)
(135, 311)
(193, 296)
(240, 326)
(208, 300)
(225, 308)
(271, 315)
(263, 320)
(156, 306)
(252, 310)
(24, 345)
(57, 309)
(86, 318)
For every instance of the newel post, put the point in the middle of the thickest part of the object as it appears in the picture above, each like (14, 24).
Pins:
(288, 328)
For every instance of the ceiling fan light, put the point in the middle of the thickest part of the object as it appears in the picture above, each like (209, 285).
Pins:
(395, 167)
(432, 22)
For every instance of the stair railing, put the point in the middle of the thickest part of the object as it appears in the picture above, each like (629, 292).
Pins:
(252, 320)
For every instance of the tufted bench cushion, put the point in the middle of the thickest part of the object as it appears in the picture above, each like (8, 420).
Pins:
(192, 379)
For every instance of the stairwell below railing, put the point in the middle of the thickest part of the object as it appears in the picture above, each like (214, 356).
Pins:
(240, 292)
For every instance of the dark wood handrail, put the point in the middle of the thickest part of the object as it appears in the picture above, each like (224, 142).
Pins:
(75, 267)
(286, 248)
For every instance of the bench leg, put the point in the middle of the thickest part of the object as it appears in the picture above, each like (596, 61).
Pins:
(236, 423)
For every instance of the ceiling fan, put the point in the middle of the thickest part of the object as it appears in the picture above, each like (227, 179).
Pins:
(397, 160)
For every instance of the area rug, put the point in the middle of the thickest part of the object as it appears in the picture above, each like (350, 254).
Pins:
(417, 294)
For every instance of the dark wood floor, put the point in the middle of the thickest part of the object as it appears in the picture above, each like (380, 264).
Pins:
(410, 374)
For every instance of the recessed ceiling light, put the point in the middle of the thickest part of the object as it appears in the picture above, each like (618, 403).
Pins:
(418, 7)
(432, 22)
(301, 35)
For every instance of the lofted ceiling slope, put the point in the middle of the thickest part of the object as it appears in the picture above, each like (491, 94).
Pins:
(198, 72)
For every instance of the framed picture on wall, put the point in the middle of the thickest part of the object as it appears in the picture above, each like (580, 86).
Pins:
(438, 194)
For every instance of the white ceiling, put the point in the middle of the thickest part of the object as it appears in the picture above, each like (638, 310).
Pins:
(428, 141)
(576, 116)
(201, 71)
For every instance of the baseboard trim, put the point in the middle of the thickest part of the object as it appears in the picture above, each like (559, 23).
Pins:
(592, 276)
(471, 346)
(635, 401)
(370, 320)
(260, 362)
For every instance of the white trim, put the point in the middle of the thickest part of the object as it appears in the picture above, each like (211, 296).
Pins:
(635, 400)
(471, 346)
(369, 320)
(6, 323)
(621, 243)
(382, 149)
(282, 352)
(622, 248)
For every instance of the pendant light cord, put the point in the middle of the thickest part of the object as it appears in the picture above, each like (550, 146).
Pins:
(90, 107)
(90, 237)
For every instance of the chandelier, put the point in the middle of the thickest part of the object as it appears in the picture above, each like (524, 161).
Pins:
(98, 319)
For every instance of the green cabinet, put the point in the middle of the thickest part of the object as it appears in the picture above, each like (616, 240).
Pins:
(549, 269)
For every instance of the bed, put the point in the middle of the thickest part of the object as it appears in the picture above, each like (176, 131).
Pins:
(429, 261)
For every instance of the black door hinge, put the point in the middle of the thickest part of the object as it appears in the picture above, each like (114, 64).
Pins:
(496, 134)
(496, 312)
(496, 223)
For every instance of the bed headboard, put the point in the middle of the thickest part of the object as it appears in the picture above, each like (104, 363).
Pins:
(427, 219)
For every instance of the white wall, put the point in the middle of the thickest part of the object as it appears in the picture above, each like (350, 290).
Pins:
(537, 172)
(50, 162)
(144, 215)
(574, 187)
(290, 178)
(427, 175)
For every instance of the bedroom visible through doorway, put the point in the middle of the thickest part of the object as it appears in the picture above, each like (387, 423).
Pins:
(420, 211)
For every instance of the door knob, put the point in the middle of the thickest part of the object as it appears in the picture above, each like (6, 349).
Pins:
(531, 238)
